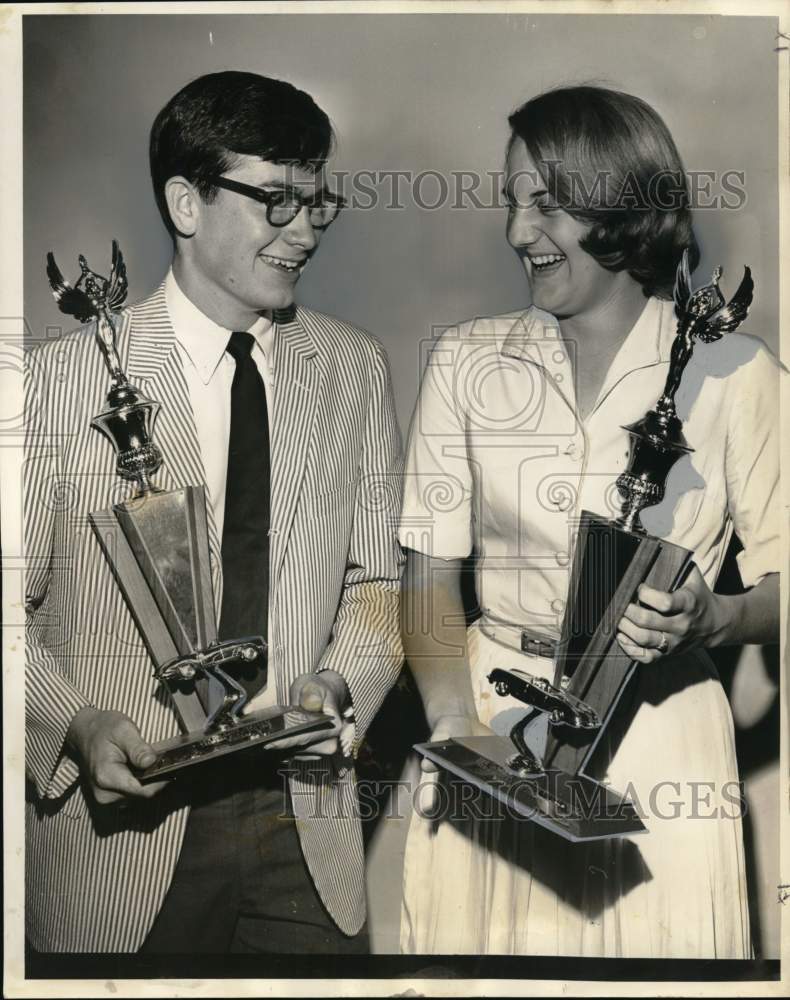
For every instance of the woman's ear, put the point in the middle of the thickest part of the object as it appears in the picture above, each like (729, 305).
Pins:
(184, 204)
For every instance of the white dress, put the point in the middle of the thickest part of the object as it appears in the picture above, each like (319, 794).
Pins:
(499, 463)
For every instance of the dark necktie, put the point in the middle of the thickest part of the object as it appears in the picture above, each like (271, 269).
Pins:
(245, 533)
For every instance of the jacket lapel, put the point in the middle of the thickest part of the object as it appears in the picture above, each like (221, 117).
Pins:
(154, 366)
(297, 379)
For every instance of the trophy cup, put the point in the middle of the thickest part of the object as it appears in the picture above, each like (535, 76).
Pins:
(611, 559)
(157, 545)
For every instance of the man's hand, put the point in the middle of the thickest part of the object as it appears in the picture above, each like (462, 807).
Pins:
(325, 692)
(110, 745)
(447, 727)
(673, 622)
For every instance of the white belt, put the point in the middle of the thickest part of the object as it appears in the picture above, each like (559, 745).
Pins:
(524, 640)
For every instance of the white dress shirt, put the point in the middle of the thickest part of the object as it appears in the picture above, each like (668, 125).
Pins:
(208, 370)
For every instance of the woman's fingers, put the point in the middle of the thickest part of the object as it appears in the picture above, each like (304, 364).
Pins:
(644, 654)
(682, 600)
(646, 633)
(676, 624)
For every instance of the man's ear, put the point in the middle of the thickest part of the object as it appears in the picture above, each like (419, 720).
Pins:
(184, 204)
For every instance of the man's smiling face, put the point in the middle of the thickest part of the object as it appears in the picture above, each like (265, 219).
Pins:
(243, 263)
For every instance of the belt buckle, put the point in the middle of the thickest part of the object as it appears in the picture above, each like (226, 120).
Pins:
(534, 647)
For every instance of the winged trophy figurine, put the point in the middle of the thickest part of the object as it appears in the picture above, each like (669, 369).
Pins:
(94, 297)
(703, 314)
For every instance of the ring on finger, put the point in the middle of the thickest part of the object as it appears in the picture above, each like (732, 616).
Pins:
(663, 646)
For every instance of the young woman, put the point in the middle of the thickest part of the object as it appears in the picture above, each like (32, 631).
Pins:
(519, 426)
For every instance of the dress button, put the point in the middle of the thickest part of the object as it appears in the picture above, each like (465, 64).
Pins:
(562, 558)
(559, 357)
(557, 605)
(558, 377)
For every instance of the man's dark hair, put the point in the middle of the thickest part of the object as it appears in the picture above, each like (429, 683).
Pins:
(608, 159)
(210, 123)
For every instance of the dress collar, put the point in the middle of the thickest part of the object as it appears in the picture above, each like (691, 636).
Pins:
(203, 340)
(649, 341)
(533, 324)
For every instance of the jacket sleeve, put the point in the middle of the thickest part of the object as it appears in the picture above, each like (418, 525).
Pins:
(366, 646)
(51, 700)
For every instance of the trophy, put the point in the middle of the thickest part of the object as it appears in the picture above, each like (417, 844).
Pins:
(157, 545)
(611, 559)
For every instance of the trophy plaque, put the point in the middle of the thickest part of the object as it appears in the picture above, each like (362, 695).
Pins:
(611, 559)
(157, 545)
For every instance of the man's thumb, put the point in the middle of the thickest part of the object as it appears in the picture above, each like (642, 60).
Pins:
(137, 750)
(311, 697)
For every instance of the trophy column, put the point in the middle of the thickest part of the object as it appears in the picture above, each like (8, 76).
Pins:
(157, 545)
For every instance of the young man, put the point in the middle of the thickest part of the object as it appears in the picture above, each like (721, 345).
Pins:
(287, 417)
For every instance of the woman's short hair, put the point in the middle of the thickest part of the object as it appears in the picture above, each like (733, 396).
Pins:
(609, 160)
(214, 120)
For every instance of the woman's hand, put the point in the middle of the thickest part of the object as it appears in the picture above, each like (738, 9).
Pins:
(674, 622)
(694, 616)
(447, 727)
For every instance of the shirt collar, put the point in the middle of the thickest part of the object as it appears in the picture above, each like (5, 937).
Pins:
(533, 324)
(203, 340)
(648, 342)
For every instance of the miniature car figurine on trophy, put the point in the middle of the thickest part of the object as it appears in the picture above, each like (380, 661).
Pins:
(157, 545)
(611, 559)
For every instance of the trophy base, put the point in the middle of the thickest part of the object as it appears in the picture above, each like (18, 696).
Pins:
(574, 806)
(253, 730)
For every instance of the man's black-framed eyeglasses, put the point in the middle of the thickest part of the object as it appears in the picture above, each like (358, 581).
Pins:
(283, 205)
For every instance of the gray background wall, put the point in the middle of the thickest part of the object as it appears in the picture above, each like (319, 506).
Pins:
(406, 92)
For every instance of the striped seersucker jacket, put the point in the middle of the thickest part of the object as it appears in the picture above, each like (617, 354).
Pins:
(96, 876)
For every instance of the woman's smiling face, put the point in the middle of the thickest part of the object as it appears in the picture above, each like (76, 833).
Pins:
(564, 279)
